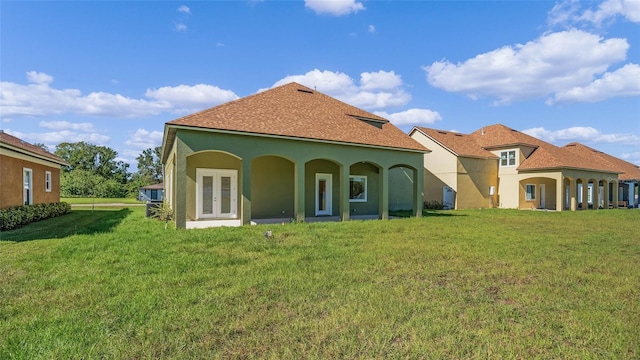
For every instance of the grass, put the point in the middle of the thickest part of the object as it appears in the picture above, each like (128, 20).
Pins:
(476, 284)
(73, 201)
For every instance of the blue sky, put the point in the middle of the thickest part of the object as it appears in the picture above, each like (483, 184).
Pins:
(112, 73)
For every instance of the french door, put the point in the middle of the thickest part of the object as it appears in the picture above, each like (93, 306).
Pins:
(217, 193)
(323, 194)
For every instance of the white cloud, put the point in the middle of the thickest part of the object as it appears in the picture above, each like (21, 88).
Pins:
(143, 139)
(581, 134)
(633, 157)
(376, 90)
(51, 139)
(412, 117)
(569, 12)
(180, 27)
(65, 125)
(334, 7)
(39, 78)
(371, 29)
(41, 100)
(184, 9)
(622, 82)
(553, 63)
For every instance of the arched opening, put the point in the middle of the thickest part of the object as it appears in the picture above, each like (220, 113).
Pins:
(272, 188)
(364, 189)
(322, 181)
(538, 193)
(402, 189)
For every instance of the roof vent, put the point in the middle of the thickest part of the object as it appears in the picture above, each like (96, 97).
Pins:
(305, 91)
(442, 132)
(460, 135)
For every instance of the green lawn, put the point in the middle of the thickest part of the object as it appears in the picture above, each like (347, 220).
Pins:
(101, 201)
(453, 285)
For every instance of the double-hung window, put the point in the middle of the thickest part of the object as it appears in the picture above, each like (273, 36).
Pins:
(357, 188)
(47, 181)
(531, 192)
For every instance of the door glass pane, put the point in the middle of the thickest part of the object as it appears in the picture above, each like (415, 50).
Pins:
(225, 194)
(207, 195)
(322, 195)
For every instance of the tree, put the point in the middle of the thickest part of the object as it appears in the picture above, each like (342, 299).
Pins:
(42, 146)
(150, 165)
(100, 160)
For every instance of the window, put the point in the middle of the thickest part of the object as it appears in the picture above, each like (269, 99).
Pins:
(531, 192)
(357, 188)
(27, 194)
(508, 158)
(47, 181)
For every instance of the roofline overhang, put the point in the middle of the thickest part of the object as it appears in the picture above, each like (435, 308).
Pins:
(570, 168)
(415, 128)
(170, 127)
(509, 145)
(32, 154)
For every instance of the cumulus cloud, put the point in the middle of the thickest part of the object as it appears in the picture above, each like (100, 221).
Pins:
(334, 7)
(570, 12)
(622, 82)
(371, 29)
(51, 139)
(184, 9)
(633, 157)
(581, 134)
(412, 117)
(39, 78)
(553, 63)
(376, 90)
(180, 27)
(143, 139)
(66, 125)
(40, 99)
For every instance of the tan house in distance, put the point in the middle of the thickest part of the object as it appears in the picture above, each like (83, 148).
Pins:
(497, 166)
(288, 153)
(28, 174)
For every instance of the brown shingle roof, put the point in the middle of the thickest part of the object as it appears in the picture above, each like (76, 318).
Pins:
(30, 149)
(293, 110)
(459, 144)
(627, 170)
(545, 155)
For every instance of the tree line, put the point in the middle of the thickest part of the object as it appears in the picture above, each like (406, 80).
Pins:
(94, 171)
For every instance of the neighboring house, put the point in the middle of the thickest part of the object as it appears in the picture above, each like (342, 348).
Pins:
(497, 166)
(628, 179)
(153, 192)
(28, 174)
(286, 153)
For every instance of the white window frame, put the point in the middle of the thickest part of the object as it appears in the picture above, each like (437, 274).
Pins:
(47, 181)
(530, 192)
(27, 199)
(515, 157)
(364, 197)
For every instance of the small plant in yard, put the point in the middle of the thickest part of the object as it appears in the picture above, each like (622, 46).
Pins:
(433, 205)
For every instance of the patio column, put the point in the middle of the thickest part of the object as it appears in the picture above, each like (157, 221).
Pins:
(595, 198)
(246, 191)
(585, 194)
(559, 193)
(383, 191)
(180, 206)
(605, 194)
(418, 196)
(299, 191)
(344, 192)
(614, 196)
(573, 183)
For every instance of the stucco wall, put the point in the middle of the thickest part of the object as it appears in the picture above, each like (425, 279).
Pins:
(475, 177)
(370, 207)
(440, 169)
(401, 188)
(11, 181)
(272, 188)
(549, 195)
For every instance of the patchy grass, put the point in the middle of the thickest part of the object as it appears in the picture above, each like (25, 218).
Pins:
(473, 284)
(74, 201)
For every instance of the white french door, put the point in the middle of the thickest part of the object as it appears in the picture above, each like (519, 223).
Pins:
(323, 194)
(217, 193)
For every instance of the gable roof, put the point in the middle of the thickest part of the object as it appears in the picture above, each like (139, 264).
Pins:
(296, 111)
(15, 144)
(627, 170)
(457, 143)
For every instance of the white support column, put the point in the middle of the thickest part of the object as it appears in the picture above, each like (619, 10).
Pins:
(559, 193)
(573, 196)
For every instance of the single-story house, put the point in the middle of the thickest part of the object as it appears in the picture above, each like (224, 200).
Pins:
(154, 192)
(288, 153)
(28, 174)
(497, 166)
(628, 177)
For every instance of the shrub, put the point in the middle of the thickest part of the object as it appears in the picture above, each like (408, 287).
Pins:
(162, 211)
(433, 205)
(17, 216)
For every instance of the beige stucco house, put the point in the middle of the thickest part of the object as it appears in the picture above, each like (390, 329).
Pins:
(497, 166)
(28, 174)
(289, 153)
